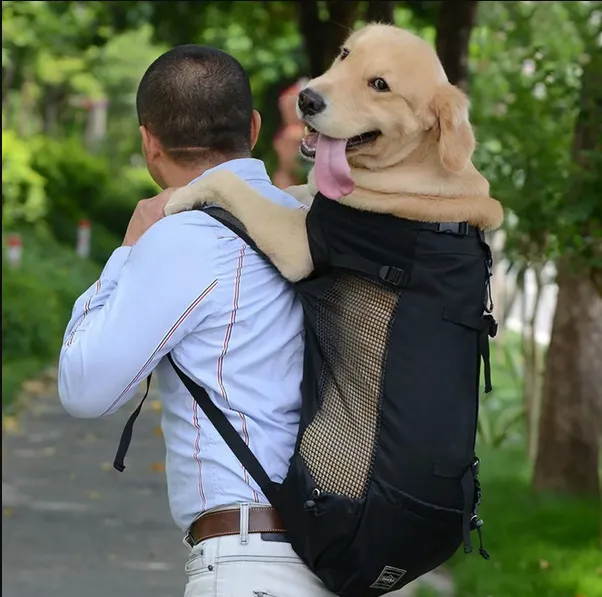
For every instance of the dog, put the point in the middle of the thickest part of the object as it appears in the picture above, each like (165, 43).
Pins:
(388, 134)
(384, 294)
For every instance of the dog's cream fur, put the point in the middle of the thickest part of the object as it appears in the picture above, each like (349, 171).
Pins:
(419, 168)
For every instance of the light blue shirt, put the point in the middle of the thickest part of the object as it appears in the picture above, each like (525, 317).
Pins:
(191, 287)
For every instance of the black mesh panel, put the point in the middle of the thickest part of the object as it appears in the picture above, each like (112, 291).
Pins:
(354, 320)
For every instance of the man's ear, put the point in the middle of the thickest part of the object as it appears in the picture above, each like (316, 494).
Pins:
(456, 139)
(150, 144)
(255, 127)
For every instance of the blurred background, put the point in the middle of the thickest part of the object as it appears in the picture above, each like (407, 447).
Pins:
(72, 173)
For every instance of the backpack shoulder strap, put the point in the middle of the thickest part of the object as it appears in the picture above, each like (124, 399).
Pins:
(235, 225)
(232, 438)
(126, 434)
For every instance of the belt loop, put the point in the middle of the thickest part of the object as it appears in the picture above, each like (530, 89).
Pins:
(244, 524)
(187, 539)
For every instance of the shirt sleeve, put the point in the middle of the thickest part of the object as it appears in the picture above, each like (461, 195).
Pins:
(146, 300)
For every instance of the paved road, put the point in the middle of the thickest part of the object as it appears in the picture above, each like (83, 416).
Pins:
(73, 526)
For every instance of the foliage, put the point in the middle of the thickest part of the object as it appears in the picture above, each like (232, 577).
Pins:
(59, 183)
(23, 188)
(45, 59)
(119, 66)
(541, 545)
(37, 300)
(525, 92)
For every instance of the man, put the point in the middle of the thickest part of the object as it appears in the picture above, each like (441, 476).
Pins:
(186, 285)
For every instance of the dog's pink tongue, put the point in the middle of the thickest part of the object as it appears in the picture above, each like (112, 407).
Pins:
(333, 174)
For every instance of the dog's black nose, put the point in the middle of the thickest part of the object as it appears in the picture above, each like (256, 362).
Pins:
(310, 103)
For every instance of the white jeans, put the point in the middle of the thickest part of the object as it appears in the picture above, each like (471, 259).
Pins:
(225, 567)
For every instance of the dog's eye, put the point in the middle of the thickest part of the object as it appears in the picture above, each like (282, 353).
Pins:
(379, 84)
(344, 54)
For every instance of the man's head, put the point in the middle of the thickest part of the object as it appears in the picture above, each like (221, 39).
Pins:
(195, 111)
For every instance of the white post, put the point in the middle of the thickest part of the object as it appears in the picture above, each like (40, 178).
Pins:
(84, 233)
(14, 250)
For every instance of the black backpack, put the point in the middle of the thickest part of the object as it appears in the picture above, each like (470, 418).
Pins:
(383, 484)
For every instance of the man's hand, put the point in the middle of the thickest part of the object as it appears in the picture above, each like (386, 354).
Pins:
(147, 213)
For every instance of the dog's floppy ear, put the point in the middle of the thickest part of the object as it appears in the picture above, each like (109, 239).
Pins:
(456, 140)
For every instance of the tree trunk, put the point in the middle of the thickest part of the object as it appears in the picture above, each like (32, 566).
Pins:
(380, 11)
(571, 420)
(532, 370)
(456, 21)
(567, 455)
(323, 39)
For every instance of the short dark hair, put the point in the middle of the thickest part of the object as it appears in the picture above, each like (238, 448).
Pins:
(197, 101)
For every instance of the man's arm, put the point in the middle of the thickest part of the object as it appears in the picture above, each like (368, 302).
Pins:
(147, 299)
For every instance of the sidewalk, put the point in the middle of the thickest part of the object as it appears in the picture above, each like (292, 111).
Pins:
(72, 526)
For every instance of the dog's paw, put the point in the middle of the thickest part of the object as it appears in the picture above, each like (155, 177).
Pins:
(205, 191)
(183, 199)
(187, 198)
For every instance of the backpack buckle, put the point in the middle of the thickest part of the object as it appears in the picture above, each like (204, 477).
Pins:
(393, 275)
(460, 228)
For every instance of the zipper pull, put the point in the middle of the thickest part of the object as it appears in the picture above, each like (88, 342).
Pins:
(310, 504)
(482, 551)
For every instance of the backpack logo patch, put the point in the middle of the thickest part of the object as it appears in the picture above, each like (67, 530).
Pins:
(388, 578)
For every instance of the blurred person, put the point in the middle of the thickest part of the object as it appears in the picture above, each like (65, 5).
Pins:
(186, 285)
(290, 168)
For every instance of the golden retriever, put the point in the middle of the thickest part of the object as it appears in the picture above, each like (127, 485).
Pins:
(389, 134)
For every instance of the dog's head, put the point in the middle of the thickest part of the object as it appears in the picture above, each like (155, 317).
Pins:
(384, 97)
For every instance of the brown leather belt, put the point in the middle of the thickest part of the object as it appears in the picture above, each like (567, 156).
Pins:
(227, 522)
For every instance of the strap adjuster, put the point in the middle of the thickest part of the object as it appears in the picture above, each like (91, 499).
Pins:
(492, 325)
(393, 275)
(460, 228)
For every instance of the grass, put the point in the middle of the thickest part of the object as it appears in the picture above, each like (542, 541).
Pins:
(541, 545)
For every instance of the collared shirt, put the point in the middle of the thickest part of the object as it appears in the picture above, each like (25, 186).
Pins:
(191, 287)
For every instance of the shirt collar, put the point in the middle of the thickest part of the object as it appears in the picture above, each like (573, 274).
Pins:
(249, 169)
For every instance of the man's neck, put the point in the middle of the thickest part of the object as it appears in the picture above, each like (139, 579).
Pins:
(180, 176)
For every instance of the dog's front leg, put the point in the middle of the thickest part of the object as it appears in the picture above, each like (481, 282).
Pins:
(278, 231)
(301, 193)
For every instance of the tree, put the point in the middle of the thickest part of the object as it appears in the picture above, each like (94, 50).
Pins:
(323, 26)
(570, 426)
(325, 31)
(277, 41)
(323, 37)
(455, 24)
(525, 118)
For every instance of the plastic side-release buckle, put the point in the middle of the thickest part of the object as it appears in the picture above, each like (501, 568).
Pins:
(393, 275)
(453, 227)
